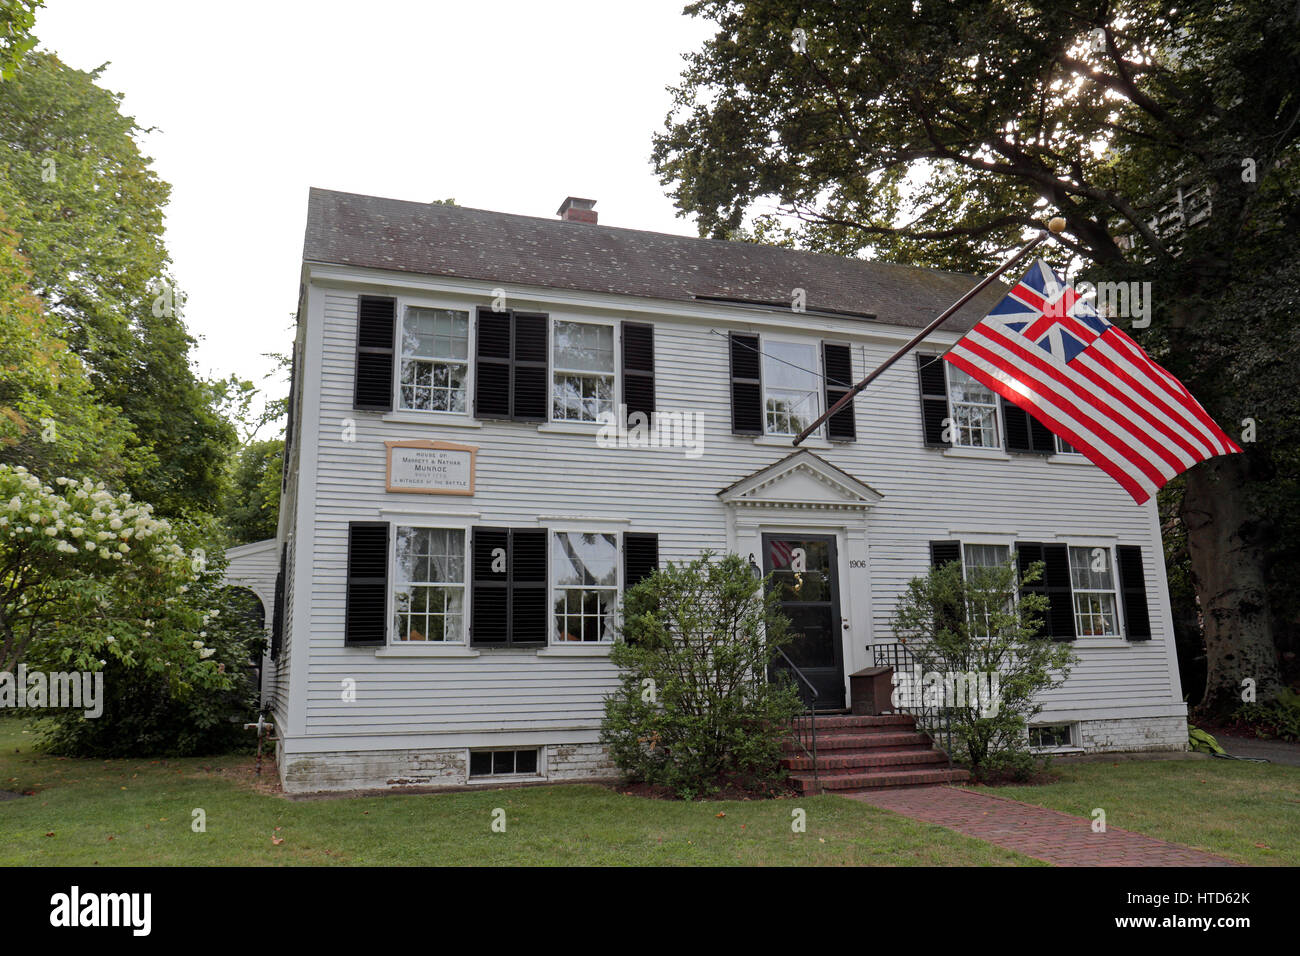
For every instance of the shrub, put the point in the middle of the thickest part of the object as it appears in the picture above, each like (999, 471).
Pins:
(694, 706)
(979, 629)
(1275, 718)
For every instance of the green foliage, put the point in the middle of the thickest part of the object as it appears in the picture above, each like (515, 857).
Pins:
(974, 626)
(89, 214)
(252, 502)
(146, 715)
(694, 706)
(17, 17)
(1275, 718)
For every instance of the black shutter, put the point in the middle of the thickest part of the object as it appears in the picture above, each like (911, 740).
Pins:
(493, 356)
(529, 618)
(934, 397)
(489, 586)
(1024, 432)
(639, 367)
(376, 328)
(508, 603)
(947, 616)
(1058, 621)
(366, 611)
(746, 385)
(531, 394)
(837, 362)
(640, 557)
(277, 614)
(1133, 590)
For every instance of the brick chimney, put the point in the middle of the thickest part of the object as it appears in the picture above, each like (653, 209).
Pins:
(574, 209)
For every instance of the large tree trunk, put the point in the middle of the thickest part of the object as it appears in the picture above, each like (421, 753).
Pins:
(1227, 563)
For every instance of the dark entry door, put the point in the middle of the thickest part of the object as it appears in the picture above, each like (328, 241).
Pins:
(804, 573)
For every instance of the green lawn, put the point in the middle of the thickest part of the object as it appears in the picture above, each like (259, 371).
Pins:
(1245, 811)
(138, 812)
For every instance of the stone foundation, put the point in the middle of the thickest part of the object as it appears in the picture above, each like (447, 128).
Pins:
(394, 769)
(1133, 733)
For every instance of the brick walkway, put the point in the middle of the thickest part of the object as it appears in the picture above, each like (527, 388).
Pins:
(1059, 838)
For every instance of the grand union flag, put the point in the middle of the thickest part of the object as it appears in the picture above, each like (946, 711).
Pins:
(1048, 351)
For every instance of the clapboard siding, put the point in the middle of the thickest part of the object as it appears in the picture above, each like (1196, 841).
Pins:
(524, 471)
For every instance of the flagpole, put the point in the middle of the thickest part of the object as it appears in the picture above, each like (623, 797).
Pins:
(938, 321)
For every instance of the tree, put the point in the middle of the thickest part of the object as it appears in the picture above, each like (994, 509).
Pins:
(89, 213)
(694, 704)
(973, 640)
(17, 17)
(939, 132)
(251, 510)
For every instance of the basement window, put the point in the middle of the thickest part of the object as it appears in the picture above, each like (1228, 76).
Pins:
(502, 763)
(1051, 736)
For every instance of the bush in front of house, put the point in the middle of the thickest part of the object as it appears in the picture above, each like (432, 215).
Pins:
(694, 709)
(958, 626)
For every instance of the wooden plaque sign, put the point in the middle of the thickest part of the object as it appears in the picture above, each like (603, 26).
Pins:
(430, 467)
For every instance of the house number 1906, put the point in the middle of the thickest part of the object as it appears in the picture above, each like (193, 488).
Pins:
(857, 564)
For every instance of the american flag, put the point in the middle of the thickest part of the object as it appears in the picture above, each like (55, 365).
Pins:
(1048, 351)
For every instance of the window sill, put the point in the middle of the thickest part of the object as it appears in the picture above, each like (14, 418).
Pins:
(451, 420)
(564, 650)
(1068, 460)
(787, 441)
(426, 650)
(989, 454)
(1105, 642)
(571, 428)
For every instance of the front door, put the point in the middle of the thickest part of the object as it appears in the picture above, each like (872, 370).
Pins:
(804, 573)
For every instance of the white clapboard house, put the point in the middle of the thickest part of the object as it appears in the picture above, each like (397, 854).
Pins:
(456, 528)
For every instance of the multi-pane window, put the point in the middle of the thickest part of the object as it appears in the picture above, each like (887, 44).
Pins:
(1092, 579)
(435, 360)
(582, 361)
(429, 585)
(1063, 447)
(586, 585)
(791, 387)
(497, 763)
(977, 560)
(1051, 736)
(974, 411)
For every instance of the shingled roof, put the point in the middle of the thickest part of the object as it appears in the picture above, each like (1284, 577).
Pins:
(431, 239)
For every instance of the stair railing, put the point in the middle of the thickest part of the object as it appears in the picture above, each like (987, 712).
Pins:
(933, 719)
(809, 698)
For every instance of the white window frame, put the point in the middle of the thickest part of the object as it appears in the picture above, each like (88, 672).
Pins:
(1010, 547)
(1071, 731)
(554, 587)
(949, 371)
(818, 372)
(404, 303)
(1061, 450)
(1116, 603)
(394, 582)
(552, 369)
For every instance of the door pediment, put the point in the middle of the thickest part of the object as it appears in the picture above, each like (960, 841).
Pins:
(801, 481)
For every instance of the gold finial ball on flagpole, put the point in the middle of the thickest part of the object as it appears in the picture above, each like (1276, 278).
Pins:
(1056, 225)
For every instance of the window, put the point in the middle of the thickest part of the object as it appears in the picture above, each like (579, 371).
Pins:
(429, 585)
(1092, 579)
(583, 366)
(586, 585)
(435, 360)
(791, 387)
(1063, 447)
(974, 411)
(497, 763)
(1051, 736)
(978, 559)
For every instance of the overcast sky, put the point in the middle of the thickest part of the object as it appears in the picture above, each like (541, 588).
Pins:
(500, 105)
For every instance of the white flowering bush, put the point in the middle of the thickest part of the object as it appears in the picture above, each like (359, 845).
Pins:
(92, 576)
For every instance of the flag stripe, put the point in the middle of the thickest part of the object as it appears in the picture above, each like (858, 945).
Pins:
(991, 375)
(1143, 446)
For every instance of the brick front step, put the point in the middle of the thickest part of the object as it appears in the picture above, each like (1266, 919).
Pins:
(877, 779)
(861, 758)
(849, 740)
(885, 720)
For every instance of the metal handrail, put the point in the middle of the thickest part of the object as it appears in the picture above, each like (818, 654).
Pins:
(934, 720)
(811, 715)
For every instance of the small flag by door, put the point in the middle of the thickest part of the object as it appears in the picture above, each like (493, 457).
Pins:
(1047, 351)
